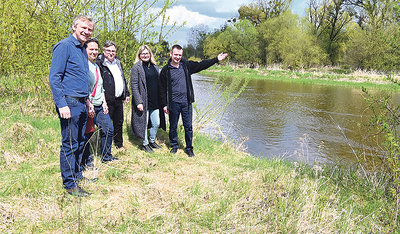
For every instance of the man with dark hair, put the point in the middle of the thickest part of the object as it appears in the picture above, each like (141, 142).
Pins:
(69, 82)
(176, 94)
(116, 89)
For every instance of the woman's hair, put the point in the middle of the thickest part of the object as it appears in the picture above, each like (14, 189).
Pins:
(140, 50)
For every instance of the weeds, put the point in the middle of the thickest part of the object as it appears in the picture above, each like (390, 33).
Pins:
(221, 190)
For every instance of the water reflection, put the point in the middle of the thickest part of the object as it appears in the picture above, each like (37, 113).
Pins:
(293, 120)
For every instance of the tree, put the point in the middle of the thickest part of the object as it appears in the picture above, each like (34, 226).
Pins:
(328, 20)
(288, 43)
(239, 40)
(262, 10)
(195, 39)
(29, 29)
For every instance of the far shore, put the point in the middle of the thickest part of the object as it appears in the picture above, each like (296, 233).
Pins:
(320, 76)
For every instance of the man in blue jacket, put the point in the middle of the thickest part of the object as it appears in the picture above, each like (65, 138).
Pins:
(176, 94)
(69, 82)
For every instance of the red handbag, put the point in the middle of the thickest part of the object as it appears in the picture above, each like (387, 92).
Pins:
(89, 125)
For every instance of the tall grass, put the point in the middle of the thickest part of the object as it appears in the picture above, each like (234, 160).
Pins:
(221, 190)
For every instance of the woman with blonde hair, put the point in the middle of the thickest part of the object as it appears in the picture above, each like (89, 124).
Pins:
(146, 111)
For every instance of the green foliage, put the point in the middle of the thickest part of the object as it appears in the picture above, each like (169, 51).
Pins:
(383, 140)
(289, 44)
(29, 29)
(368, 49)
(240, 41)
(263, 10)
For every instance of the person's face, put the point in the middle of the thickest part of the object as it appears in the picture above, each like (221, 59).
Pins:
(176, 56)
(82, 31)
(92, 51)
(109, 52)
(145, 55)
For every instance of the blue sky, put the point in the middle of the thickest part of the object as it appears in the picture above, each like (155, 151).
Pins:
(212, 13)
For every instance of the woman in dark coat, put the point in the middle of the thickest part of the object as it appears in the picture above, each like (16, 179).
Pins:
(146, 112)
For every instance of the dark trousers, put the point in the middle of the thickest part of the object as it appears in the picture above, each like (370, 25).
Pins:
(72, 142)
(103, 123)
(184, 109)
(116, 112)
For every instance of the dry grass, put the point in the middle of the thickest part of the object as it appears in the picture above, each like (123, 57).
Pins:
(221, 190)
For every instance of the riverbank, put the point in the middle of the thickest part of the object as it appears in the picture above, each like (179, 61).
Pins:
(320, 76)
(220, 190)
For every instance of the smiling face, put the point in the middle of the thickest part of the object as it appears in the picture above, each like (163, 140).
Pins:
(109, 52)
(92, 51)
(176, 56)
(82, 30)
(145, 55)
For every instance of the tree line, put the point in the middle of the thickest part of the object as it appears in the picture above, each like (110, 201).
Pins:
(361, 34)
(358, 34)
(30, 28)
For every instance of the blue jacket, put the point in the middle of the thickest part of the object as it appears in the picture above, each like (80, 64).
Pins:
(69, 71)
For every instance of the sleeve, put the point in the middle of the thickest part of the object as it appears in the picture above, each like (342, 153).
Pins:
(127, 93)
(135, 85)
(57, 71)
(202, 65)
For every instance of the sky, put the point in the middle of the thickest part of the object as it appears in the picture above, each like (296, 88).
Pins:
(212, 13)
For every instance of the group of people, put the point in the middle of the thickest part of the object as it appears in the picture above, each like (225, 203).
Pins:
(88, 85)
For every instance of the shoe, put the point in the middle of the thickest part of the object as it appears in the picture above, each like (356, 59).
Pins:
(78, 192)
(189, 152)
(84, 179)
(89, 166)
(174, 150)
(109, 160)
(120, 148)
(148, 149)
(154, 145)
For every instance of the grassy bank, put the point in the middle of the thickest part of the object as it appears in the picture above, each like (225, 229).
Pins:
(221, 190)
(320, 76)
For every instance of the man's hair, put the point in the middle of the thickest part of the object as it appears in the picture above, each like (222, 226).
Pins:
(109, 43)
(176, 46)
(84, 18)
(93, 40)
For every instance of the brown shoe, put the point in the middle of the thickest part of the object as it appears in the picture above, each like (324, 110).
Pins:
(78, 192)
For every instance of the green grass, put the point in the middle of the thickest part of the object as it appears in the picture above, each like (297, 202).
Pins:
(337, 77)
(221, 190)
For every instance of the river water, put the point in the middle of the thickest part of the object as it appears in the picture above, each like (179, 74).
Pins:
(303, 122)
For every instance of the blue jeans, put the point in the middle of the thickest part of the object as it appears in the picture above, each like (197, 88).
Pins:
(72, 142)
(184, 109)
(104, 124)
(154, 116)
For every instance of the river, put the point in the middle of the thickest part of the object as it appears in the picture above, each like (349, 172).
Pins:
(295, 121)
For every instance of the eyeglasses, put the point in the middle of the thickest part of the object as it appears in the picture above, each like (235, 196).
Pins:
(144, 54)
(110, 51)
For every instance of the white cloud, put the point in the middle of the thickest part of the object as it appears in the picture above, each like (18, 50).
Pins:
(181, 14)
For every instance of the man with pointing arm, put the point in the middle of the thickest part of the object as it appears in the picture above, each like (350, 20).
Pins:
(176, 94)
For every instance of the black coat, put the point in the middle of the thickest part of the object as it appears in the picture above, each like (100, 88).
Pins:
(139, 96)
(108, 79)
(190, 67)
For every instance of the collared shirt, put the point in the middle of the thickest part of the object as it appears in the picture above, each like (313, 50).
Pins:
(98, 98)
(116, 72)
(69, 71)
(178, 84)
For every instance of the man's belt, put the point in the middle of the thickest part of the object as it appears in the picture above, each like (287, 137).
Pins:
(80, 99)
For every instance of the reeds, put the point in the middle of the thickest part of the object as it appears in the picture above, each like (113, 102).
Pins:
(221, 190)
